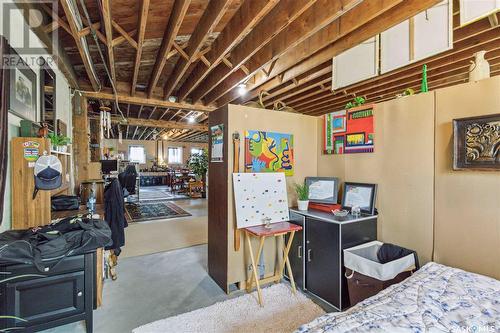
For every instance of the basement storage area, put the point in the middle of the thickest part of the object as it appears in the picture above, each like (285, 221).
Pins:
(249, 166)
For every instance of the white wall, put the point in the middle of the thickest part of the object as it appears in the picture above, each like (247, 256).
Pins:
(63, 98)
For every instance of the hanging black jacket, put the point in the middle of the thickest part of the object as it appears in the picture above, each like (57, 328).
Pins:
(114, 214)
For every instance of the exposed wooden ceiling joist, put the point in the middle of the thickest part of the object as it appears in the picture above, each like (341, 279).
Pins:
(278, 19)
(249, 14)
(143, 17)
(318, 16)
(211, 17)
(174, 23)
(87, 62)
(140, 122)
(108, 28)
(141, 99)
(373, 25)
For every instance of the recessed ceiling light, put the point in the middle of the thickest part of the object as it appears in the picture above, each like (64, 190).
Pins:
(242, 89)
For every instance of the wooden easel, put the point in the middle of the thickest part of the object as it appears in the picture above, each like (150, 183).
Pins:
(279, 229)
(236, 168)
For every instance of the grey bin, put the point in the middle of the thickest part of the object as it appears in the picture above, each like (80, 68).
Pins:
(366, 276)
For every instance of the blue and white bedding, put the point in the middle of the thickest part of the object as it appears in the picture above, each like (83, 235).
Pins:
(436, 298)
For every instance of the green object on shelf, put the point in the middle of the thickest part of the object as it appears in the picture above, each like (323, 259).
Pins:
(424, 87)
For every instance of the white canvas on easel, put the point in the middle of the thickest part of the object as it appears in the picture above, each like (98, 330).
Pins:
(260, 196)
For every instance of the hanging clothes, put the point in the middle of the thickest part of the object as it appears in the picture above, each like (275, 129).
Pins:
(114, 214)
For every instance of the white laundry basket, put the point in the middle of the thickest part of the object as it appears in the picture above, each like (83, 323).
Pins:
(366, 275)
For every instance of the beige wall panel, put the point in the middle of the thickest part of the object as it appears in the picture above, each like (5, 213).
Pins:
(467, 202)
(402, 166)
(304, 130)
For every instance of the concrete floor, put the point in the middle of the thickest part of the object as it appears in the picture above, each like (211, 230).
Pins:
(153, 287)
(159, 284)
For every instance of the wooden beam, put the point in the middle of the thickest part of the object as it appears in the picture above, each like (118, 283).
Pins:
(106, 13)
(248, 15)
(318, 16)
(87, 30)
(289, 68)
(166, 124)
(487, 40)
(60, 22)
(121, 39)
(141, 99)
(278, 19)
(125, 34)
(174, 23)
(87, 61)
(209, 20)
(299, 48)
(143, 17)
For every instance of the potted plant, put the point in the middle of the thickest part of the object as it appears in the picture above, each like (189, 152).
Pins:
(302, 196)
(59, 142)
(198, 163)
(64, 141)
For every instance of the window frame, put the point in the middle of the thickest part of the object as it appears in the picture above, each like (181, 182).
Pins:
(143, 152)
(180, 154)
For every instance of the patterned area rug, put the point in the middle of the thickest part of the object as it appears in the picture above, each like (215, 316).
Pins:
(153, 210)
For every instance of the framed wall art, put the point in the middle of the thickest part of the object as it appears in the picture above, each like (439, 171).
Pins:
(269, 152)
(477, 143)
(22, 88)
(349, 131)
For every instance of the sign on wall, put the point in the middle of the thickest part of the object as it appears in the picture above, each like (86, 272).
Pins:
(349, 131)
(217, 142)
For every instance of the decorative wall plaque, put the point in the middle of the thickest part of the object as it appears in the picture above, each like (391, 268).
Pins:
(477, 143)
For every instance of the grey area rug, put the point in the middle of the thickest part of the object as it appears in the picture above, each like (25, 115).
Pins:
(282, 312)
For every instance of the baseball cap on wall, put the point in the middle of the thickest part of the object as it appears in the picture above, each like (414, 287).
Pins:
(48, 173)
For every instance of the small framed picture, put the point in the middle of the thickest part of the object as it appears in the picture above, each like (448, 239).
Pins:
(360, 195)
(22, 88)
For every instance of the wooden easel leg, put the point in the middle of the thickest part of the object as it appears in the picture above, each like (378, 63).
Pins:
(254, 269)
(259, 252)
(287, 261)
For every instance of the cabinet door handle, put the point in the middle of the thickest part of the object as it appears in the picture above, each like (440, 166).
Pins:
(299, 252)
(309, 255)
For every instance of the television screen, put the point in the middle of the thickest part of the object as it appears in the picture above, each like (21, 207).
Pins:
(107, 166)
(323, 189)
(360, 195)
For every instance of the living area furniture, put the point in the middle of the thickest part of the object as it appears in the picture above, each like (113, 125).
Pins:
(61, 295)
(279, 230)
(316, 252)
(195, 189)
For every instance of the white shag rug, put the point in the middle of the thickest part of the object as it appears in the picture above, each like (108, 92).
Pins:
(282, 312)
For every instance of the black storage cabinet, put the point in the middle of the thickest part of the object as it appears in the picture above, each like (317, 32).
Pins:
(57, 297)
(316, 252)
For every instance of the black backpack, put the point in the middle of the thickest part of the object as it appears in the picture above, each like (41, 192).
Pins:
(44, 247)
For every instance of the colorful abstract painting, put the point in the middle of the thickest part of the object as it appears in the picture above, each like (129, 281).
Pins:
(349, 131)
(268, 152)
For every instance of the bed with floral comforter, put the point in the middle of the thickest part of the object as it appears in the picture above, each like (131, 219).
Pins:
(437, 298)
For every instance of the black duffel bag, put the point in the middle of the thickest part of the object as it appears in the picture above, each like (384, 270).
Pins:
(65, 202)
(44, 247)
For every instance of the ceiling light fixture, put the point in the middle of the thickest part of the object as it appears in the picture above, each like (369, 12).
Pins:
(242, 89)
(191, 119)
(172, 99)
